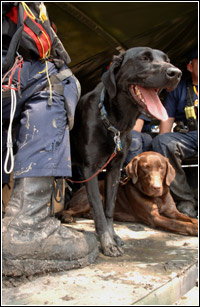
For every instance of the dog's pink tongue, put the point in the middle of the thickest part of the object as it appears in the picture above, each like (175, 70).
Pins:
(153, 103)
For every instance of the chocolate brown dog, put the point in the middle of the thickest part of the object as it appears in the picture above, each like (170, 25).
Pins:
(144, 198)
(103, 122)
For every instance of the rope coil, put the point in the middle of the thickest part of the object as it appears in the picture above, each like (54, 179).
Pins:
(9, 154)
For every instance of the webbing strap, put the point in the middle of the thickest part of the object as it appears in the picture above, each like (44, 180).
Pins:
(64, 74)
(57, 189)
(190, 95)
(192, 121)
(57, 78)
(15, 42)
(29, 23)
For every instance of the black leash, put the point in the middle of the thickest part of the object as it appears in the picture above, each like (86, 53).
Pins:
(107, 123)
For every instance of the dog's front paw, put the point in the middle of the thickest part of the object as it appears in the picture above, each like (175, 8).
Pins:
(118, 240)
(109, 247)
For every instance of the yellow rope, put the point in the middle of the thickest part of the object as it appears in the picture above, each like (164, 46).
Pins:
(49, 81)
(49, 51)
(43, 17)
(28, 10)
(43, 55)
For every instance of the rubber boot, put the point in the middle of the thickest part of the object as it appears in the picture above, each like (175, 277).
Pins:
(34, 242)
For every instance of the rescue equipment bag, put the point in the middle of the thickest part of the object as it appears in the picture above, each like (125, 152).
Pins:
(27, 29)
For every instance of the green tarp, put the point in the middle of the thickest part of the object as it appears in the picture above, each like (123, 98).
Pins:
(93, 31)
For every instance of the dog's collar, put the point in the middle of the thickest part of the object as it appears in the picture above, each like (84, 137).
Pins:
(125, 180)
(107, 123)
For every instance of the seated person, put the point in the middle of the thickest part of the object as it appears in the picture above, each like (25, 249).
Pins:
(141, 138)
(177, 146)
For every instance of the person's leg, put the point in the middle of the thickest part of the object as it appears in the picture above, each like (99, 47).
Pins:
(34, 242)
(176, 147)
(136, 147)
(146, 142)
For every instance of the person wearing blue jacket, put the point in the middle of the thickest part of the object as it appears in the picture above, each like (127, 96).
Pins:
(182, 106)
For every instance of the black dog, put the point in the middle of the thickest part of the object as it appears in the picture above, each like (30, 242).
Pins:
(104, 119)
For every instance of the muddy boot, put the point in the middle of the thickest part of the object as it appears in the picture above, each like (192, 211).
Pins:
(34, 242)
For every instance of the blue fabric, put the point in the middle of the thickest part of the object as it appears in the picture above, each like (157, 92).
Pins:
(175, 102)
(176, 147)
(43, 140)
(140, 142)
(147, 123)
(185, 143)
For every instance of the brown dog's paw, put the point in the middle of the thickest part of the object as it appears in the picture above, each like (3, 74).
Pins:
(193, 231)
(66, 218)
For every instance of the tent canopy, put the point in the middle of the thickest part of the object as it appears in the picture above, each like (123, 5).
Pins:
(92, 32)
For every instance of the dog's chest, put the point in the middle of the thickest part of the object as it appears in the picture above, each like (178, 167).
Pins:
(158, 201)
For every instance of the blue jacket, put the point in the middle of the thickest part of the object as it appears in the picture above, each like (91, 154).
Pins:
(175, 102)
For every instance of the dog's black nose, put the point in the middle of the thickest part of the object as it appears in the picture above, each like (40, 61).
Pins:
(173, 73)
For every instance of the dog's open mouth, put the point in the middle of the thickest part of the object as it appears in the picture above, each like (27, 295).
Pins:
(148, 99)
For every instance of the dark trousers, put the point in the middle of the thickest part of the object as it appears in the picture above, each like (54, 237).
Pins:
(43, 145)
(177, 147)
(140, 142)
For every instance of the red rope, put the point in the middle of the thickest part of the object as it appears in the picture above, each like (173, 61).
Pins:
(86, 180)
(18, 64)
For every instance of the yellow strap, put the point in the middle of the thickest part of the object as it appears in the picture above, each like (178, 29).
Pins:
(195, 90)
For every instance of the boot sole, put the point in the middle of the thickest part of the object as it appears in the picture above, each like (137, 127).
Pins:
(28, 267)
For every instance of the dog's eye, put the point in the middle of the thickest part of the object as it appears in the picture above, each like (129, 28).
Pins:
(145, 166)
(145, 58)
(166, 59)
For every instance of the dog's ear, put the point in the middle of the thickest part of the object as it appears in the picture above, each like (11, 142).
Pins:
(108, 78)
(132, 169)
(170, 173)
